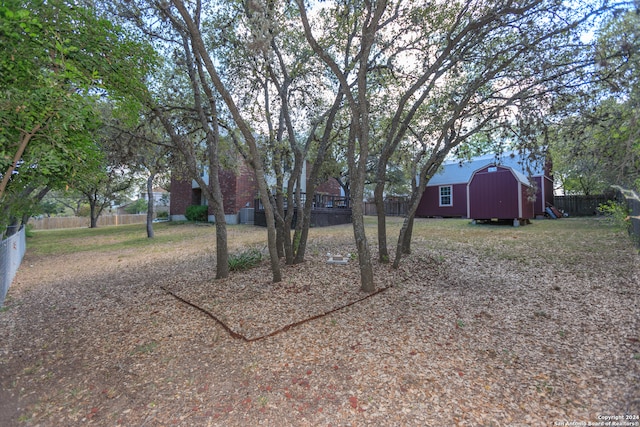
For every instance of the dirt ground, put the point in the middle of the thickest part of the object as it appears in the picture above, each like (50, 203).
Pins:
(481, 326)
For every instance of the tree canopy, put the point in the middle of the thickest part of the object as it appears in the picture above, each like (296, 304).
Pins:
(596, 141)
(56, 58)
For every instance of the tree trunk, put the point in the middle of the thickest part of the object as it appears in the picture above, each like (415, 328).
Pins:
(222, 251)
(300, 237)
(92, 213)
(286, 233)
(24, 141)
(211, 189)
(214, 195)
(297, 232)
(280, 219)
(37, 199)
(271, 231)
(358, 146)
(401, 239)
(404, 238)
(406, 244)
(364, 254)
(150, 206)
(300, 240)
(382, 222)
(94, 221)
(12, 227)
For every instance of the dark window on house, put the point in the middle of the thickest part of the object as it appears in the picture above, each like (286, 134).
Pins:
(446, 195)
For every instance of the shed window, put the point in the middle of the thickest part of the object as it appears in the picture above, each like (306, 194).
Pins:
(446, 195)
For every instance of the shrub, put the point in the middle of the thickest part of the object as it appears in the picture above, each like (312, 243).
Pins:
(617, 213)
(28, 232)
(245, 260)
(84, 211)
(197, 213)
(139, 206)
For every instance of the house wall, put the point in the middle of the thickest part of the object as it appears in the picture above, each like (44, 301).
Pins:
(228, 185)
(527, 205)
(544, 193)
(246, 187)
(494, 194)
(330, 187)
(181, 197)
(430, 202)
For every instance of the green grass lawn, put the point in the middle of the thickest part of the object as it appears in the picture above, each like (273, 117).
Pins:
(553, 240)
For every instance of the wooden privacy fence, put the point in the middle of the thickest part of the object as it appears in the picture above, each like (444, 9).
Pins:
(57, 222)
(391, 208)
(579, 205)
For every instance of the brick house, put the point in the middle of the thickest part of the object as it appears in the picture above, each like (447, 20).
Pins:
(239, 190)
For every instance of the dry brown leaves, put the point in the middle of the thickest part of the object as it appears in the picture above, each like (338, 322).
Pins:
(515, 330)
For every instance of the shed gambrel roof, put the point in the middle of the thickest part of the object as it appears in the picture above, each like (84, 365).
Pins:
(460, 171)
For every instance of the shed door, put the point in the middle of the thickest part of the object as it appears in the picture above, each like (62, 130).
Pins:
(493, 195)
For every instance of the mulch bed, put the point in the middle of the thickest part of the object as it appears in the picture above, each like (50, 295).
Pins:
(252, 310)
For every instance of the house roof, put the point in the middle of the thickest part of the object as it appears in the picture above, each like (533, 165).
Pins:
(460, 171)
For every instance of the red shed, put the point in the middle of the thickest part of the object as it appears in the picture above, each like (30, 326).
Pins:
(446, 194)
(500, 192)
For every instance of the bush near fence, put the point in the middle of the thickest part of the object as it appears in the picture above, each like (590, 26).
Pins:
(54, 223)
(632, 201)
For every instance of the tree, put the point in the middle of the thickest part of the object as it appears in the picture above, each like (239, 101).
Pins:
(415, 82)
(596, 135)
(365, 21)
(43, 119)
(285, 91)
(103, 189)
(188, 24)
(68, 198)
(143, 148)
(443, 72)
(54, 54)
(182, 100)
(50, 207)
(496, 67)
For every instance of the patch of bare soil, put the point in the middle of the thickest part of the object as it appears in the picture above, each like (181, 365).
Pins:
(463, 334)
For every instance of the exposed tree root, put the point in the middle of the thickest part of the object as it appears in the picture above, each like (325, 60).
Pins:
(236, 335)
